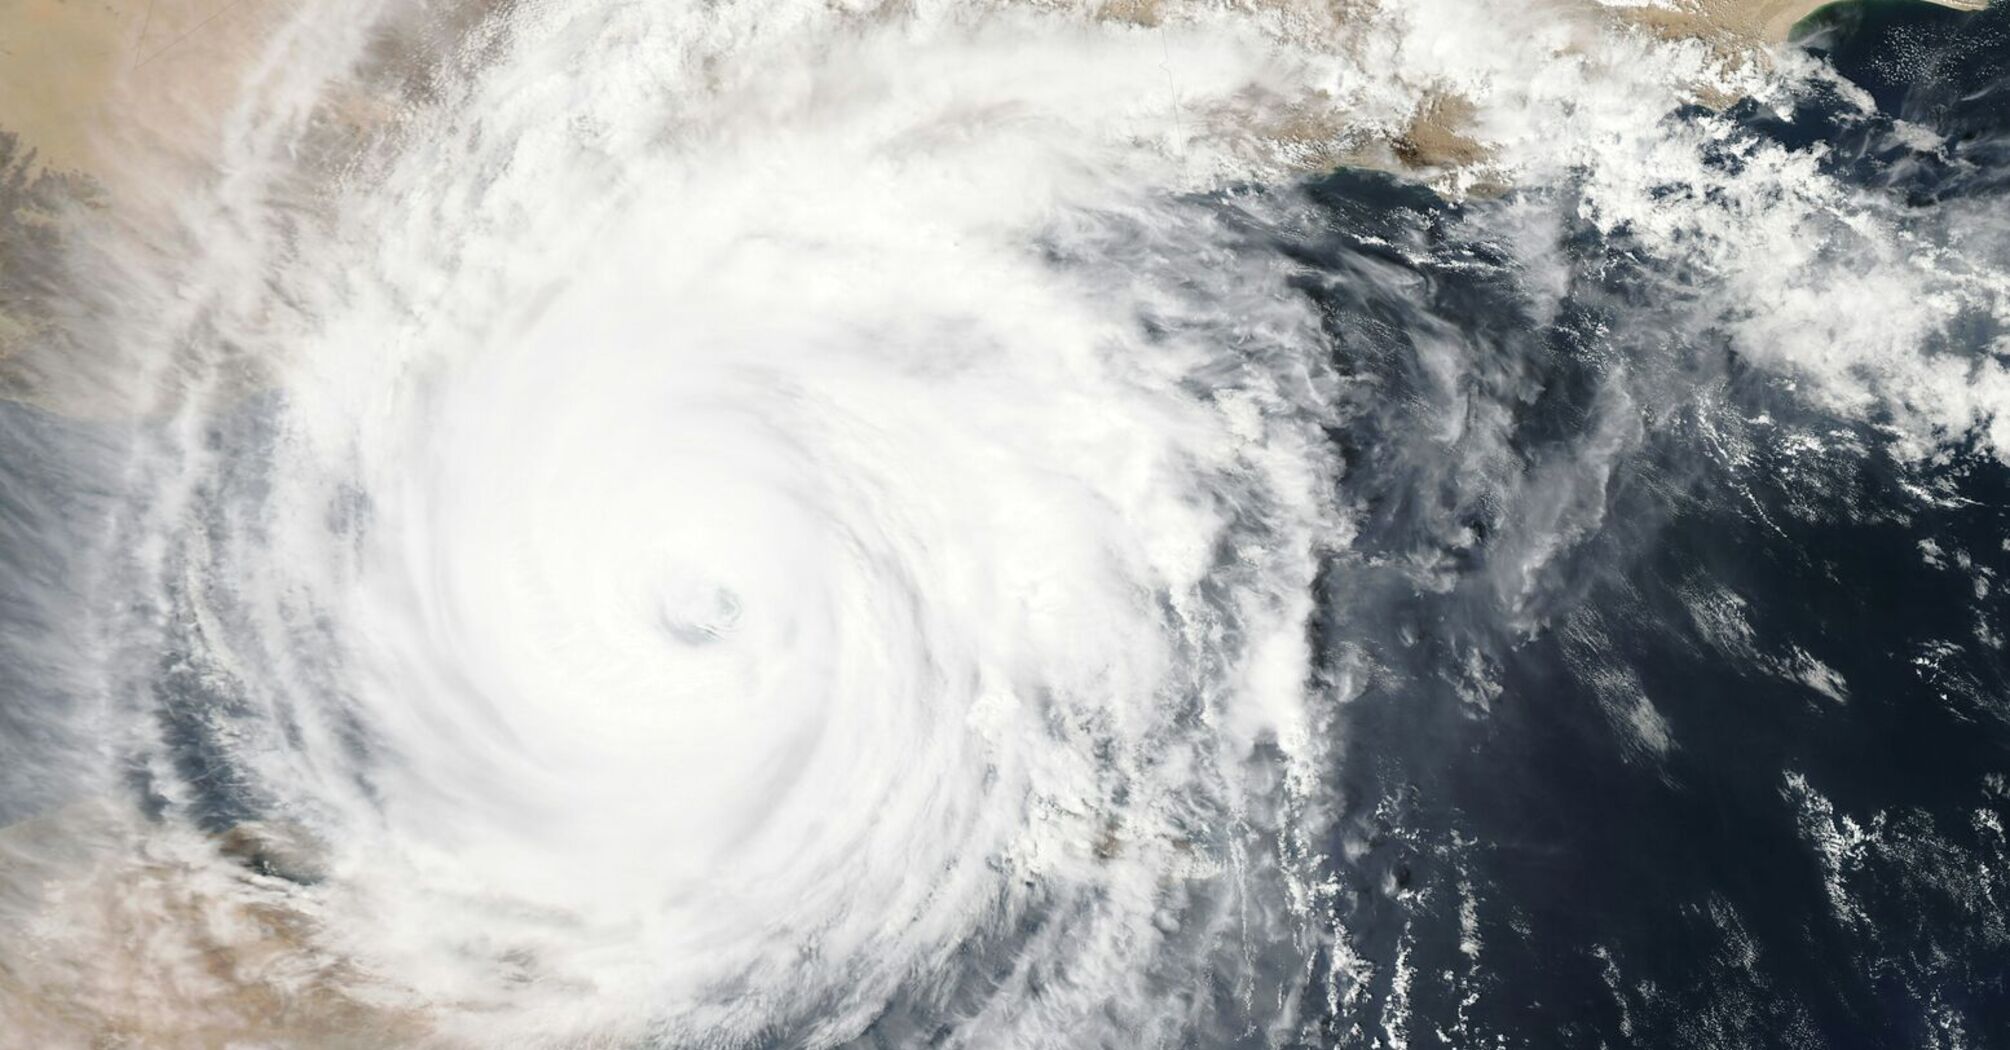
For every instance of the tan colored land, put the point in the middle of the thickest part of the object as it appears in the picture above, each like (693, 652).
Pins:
(1437, 142)
(82, 80)
(112, 114)
(109, 110)
(1763, 21)
(135, 936)
(1438, 138)
(136, 940)
(113, 106)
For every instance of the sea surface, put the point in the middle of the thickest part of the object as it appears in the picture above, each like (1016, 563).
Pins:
(708, 536)
(1745, 785)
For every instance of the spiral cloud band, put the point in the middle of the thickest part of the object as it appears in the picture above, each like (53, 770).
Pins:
(806, 524)
(713, 578)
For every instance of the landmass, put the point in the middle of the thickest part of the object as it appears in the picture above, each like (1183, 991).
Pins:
(109, 112)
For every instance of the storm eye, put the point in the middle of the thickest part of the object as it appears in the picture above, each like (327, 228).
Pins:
(696, 613)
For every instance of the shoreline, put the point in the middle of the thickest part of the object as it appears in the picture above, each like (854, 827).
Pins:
(109, 113)
(1766, 22)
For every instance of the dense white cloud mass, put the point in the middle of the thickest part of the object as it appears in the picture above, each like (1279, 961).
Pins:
(740, 522)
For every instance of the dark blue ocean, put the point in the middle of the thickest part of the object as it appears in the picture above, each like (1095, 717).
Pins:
(1811, 852)
(1673, 711)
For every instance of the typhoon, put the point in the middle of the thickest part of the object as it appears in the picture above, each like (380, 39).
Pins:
(633, 523)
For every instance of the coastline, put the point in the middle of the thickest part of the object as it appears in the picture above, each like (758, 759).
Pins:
(1756, 21)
